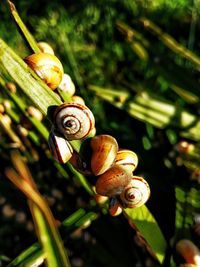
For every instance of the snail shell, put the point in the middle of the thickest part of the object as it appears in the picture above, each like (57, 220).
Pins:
(74, 121)
(11, 87)
(189, 251)
(34, 112)
(79, 164)
(47, 67)
(115, 207)
(78, 99)
(136, 193)
(2, 109)
(113, 181)
(99, 198)
(45, 48)
(67, 85)
(60, 148)
(104, 151)
(127, 158)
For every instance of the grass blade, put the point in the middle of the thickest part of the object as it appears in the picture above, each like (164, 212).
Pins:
(31, 41)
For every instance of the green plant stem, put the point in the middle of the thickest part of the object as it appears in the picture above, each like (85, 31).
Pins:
(34, 253)
(148, 108)
(31, 85)
(83, 181)
(28, 81)
(43, 216)
(47, 239)
(31, 41)
(170, 42)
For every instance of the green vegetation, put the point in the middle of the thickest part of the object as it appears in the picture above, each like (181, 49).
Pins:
(136, 64)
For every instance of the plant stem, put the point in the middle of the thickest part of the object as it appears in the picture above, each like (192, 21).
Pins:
(30, 40)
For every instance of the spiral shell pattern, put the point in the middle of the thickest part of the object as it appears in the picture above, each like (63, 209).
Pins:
(136, 193)
(74, 121)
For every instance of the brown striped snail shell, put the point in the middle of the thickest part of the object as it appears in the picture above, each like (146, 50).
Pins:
(115, 207)
(104, 151)
(74, 121)
(113, 181)
(127, 158)
(47, 67)
(59, 147)
(136, 193)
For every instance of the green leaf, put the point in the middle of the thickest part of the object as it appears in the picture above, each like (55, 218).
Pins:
(35, 253)
(28, 81)
(54, 252)
(170, 42)
(149, 228)
(151, 109)
(31, 41)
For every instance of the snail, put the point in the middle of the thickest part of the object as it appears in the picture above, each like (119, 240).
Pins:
(60, 147)
(79, 164)
(47, 67)
(74, 121)
(99, 198)
(136, 193)
(11, 87)
(189, 251)
(113, 181)
(45, 48)
(104, 151)
(2, 109)
(127, 158)
(34, 112)
(78, 99)
(67, 85)
(115, 207)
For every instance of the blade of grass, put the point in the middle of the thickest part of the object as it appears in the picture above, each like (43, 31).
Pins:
(29, 256)
(148, 108)
(31, 41)
(175, 75)
(34, 253)
(44, 233)
(45, 220)
(28, 81)
(147, 225)
(170, 42)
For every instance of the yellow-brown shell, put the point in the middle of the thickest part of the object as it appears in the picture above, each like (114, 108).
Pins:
(127, 158)
(113, 181)
(48, 67)
(104, 151)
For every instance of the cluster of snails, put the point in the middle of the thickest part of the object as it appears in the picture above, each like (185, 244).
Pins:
(112, 166)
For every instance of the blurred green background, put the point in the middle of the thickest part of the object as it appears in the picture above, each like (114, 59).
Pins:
(136, 64)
